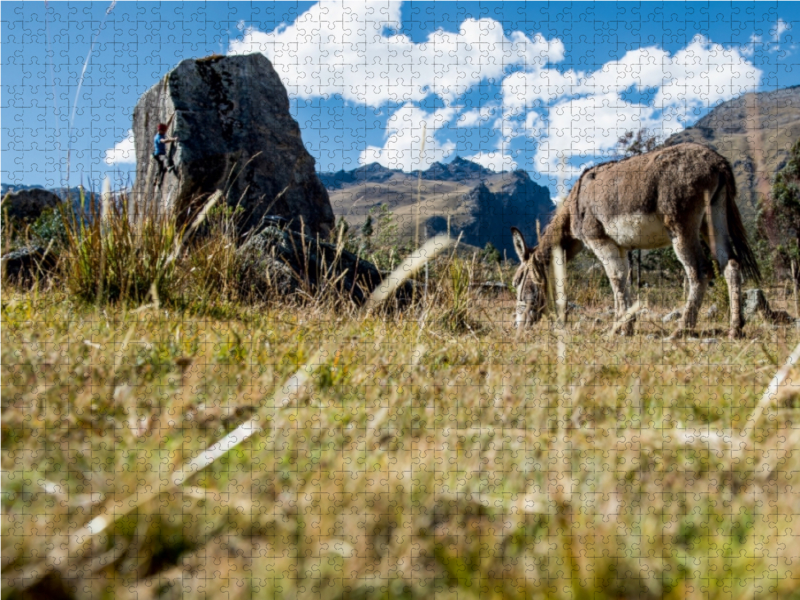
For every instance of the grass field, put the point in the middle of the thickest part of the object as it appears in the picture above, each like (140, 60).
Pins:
(394, 456)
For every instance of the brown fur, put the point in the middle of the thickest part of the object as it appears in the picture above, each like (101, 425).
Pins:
(669, 196)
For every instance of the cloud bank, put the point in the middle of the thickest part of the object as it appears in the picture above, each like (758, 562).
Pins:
(563, 118)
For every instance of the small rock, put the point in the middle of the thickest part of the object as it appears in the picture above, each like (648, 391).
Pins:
(23, 266)
(755, 302)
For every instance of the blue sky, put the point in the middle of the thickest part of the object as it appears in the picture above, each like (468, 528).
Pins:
(545, 87)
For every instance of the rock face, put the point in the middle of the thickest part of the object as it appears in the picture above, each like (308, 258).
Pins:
(518, 202)
(231, 115)
(372, 173)
(28, 204)
(460, 169)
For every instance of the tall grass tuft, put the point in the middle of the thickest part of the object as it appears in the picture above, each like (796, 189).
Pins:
(108, 257)
(211, 263)
(459, 277)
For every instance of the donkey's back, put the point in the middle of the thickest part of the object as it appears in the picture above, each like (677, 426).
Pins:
(644, 201)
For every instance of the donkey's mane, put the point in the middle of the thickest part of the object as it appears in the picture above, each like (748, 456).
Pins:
(558, 229)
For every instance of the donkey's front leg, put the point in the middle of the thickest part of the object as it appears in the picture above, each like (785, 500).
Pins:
(615, 261)
(625, 302)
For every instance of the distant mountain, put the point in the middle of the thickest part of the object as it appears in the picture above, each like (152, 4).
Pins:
(738, 128)
(372, 173)
(459, 169)
(482, 205)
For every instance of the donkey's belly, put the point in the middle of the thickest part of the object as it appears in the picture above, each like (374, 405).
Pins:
(637, 231)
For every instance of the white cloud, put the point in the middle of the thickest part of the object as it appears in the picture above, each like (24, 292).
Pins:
(587, 121)
(352, 48)
(444, 115)
(524, 88)
(573, 117)
(496, 161)
(588, 127)
(705, 73)
(402, 149)
(123, 152)
(534, 124)
(749, 49)
(476, 116)
(779, 29)
(641, 69)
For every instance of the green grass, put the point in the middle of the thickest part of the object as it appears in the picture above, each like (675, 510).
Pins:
(421, 457)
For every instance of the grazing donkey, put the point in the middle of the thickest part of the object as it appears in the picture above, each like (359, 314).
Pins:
(674, 196)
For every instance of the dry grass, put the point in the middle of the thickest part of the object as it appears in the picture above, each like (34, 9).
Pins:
(416, 458)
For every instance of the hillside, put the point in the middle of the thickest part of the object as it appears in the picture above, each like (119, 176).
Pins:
(481, 204)
(738, 128)
(61, 192)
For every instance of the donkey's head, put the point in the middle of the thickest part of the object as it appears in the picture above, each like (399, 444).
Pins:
(530, 281)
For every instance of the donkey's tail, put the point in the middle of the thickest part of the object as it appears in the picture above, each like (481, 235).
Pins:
(736, 231)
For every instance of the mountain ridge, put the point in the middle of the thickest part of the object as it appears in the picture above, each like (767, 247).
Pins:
(481, 205)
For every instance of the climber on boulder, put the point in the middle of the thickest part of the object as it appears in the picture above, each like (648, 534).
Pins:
(160, 150)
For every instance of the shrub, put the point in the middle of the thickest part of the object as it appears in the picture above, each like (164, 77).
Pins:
(50, 227)
(491, 254)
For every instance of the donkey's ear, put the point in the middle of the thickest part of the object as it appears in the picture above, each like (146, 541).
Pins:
(523, 252)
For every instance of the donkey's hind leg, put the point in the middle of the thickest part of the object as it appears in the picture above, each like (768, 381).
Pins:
(718, 238)
(690, 253)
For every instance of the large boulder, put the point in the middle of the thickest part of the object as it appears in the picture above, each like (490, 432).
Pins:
(231, 115)
(279, 262)
(28, 204)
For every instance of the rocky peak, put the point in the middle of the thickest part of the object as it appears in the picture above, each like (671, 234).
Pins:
(371, 173)
(459, 169)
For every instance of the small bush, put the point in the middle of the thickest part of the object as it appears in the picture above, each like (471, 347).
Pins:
(491, 254)
(50, 227)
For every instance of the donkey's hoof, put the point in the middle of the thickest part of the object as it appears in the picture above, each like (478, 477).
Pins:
(678, 334)
(735, 334)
